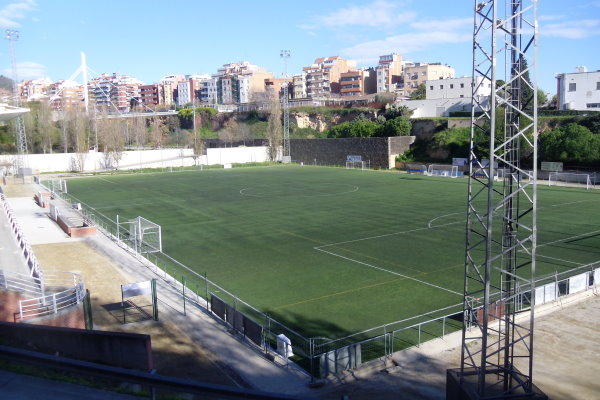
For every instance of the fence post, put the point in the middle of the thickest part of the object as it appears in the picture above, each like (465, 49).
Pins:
(206, 284)
(443, 327)
(54, 302)
(419, 343)
(183, 293)
(21, 309)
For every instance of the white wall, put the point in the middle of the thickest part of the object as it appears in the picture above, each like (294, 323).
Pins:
(436, 107)
(93, 161)
(586, 95)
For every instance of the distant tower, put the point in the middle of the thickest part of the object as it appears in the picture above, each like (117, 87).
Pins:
(12, 36)
(285, 54)
(501, 233)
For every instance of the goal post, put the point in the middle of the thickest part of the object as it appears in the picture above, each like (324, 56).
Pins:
(416, 168)
(354, 161)
(143, 235)
(569, 179)
(443, 170)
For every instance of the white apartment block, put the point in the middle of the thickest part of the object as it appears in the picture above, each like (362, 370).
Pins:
(579, 90)
(453, 88)
(389, 72)
(299, 83)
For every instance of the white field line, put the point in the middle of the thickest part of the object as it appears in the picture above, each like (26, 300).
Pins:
(106, 180)
(388, 271)
(429, 226)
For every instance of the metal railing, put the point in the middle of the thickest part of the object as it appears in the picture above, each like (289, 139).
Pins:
(54, 292)
(377, 342)
(25, 248)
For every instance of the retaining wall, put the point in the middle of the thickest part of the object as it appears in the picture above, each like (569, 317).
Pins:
(127, 350)
(380, 151)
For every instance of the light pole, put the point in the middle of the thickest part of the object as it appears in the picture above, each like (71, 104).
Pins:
(285, 54)
(12, 36)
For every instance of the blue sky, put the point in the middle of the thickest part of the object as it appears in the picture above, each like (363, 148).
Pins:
(150, 39)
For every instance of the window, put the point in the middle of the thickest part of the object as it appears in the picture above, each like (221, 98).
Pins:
(572, 87)
(462, 85)
(597, 85)
(441, 86)
(430, 87)
(451, 86)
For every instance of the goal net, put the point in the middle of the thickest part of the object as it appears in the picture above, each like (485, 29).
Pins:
(144, 235)
(569, 179)
(56, 185)
(443, 170)
(414, 168)
(355, 162)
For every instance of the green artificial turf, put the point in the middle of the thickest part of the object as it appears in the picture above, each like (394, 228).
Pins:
(330, 251)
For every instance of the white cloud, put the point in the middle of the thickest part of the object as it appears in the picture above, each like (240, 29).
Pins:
(426, 34)
(378, 14)
(11, 13)
(404, 44)
(572, 29)
(27, 70)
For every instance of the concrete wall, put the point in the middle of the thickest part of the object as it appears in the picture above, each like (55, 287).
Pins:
(381, 152)
(93, 161)
(127, 350)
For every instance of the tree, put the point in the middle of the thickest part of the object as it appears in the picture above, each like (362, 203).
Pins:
(455, 140)
(420, 93)
(274, 130)
(571, 143)
(399, 126)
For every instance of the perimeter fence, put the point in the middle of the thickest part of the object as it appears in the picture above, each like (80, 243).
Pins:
(319, 356)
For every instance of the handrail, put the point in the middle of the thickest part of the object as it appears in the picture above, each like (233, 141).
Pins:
(56, 291)
(51, 301)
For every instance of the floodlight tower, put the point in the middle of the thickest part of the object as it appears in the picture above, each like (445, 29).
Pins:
(499, 287)
(12, 36)
(285, 54)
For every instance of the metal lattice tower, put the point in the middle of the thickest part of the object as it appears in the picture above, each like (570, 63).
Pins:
(497, 343)
(12, 36)
(285, 54)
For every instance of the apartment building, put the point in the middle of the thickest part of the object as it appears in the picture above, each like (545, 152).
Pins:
(275, 87)
(452, 88)
(389, 72)
(358, 82)
(418, 73)
(323, 76)
(299, 86)
(32, 90)
(114, 91)
(192, 88)
(65, 95)
(578, 90)
(150, 95)
(240, 83)
(168, 88)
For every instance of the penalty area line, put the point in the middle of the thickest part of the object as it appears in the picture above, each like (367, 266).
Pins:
(386, 270)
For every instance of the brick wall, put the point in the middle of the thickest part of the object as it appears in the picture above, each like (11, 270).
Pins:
(380, 151)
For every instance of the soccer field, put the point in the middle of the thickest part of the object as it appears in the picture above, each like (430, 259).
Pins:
(330, 251)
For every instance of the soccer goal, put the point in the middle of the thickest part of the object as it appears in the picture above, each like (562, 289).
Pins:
(57, 185)
(569, 179)
(355, 162)
(144, 235)
(415, 168)
(443, 170)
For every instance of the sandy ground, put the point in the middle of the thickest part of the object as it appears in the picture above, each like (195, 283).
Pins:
(566, 341)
